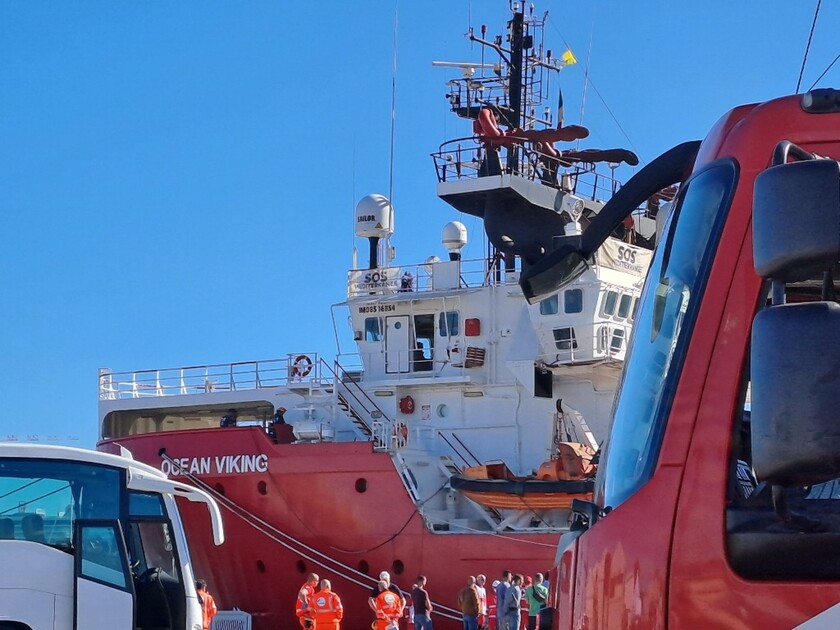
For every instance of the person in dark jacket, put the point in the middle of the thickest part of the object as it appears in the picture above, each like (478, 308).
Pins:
(422, 605)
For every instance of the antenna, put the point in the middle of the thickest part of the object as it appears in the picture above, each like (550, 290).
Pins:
(388, 254)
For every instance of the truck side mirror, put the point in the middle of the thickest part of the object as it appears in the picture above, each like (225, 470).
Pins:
(796, 219)
(795, 376)
(796, 393)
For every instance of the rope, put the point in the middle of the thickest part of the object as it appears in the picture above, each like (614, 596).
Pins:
(824, 73)
(808, 47)
(269, 531)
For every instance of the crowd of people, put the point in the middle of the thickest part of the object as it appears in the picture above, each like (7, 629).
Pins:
(513, 602)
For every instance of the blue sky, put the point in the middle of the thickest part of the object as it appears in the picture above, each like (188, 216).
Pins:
(178, 179)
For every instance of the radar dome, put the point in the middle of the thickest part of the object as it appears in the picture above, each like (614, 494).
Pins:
(373, 217)
(454, 236)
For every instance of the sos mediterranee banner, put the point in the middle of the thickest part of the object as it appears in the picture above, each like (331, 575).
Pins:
(382, 280)
(620, 256)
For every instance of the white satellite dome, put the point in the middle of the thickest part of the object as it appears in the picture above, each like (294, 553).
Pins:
(373, 217)
(454, 236)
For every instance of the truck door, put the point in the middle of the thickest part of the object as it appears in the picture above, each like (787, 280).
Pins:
(397, 350)
(104, 591)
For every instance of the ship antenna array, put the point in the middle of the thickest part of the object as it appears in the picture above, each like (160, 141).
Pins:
(388, 256)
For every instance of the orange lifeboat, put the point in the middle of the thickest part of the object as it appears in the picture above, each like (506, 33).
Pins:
(569, 474)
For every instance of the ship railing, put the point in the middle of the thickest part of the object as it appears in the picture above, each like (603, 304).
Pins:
(452, 362)
(440, 275)
(601, 341)
(293, 369)
(463, 158)
(362, 407)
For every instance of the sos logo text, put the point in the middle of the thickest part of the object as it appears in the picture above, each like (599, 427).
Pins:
(627, 255)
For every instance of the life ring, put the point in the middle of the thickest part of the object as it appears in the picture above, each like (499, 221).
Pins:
(301, 366)
(407, 404)
(400, 434)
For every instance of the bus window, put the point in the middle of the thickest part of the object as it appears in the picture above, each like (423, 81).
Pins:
(43, 499)
(145, 504)
(101, 558)
(153, 549)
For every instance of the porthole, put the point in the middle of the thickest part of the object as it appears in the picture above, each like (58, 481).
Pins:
(363, 567)
(260, 566)
(397, 567)
(262, 488)
(301, 566)
(219, 488)
(361, 485)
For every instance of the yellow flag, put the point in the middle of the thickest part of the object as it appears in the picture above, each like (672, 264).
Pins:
(568, 58)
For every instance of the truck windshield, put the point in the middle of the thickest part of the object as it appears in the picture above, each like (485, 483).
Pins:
(660, 336)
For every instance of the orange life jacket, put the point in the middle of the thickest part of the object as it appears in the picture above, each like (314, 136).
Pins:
(208, 609)
(327, 608)
(388, 605)
(302, 609)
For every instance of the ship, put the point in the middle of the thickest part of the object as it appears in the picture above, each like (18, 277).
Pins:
(453, 437)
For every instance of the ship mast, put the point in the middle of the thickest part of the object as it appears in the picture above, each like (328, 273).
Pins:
(517, 25)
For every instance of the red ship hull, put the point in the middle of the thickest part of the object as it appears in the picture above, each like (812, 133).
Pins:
(343, 500)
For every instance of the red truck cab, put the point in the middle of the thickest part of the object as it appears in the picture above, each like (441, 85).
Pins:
(714, 505)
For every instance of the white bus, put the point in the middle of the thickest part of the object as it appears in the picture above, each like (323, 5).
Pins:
(93, 541)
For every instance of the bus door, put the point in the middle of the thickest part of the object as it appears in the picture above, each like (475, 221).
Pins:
(397, 348)
(104, 589)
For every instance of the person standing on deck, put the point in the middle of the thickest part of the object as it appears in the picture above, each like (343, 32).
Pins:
(208, 604)
(501, 591)
(229, 419)
(422, 605)
(536, 594)
(468, 604)
(302, 609)
(374, 592)
(510, 606)
(326, 607)
(492, 618)
(480, 581)
(388, 607)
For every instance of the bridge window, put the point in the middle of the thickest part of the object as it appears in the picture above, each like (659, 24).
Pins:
(549, 306)
(564, 338)
(573, 301)
(624, 305)
(610, 300)
(424, 336)
(617, 340)
(449, 324)
(373, 329)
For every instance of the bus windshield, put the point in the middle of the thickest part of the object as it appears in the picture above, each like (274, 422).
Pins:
(667, 311)
(41, 499)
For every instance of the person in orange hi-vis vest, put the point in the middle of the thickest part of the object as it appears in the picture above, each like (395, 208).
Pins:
(491, 606)
(208, 604)
(389, 609)
(304, 614)
(327, 608)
